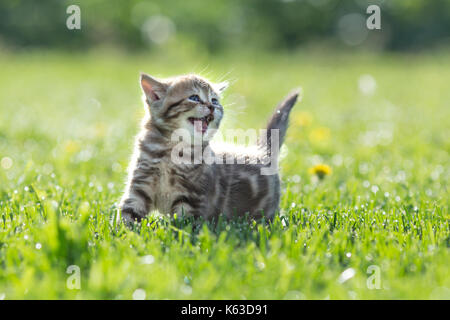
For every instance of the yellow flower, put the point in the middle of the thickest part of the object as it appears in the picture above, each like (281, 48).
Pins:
(319, 134)
(71, 146)
(320, 170)
(303, 119)
(100, 129)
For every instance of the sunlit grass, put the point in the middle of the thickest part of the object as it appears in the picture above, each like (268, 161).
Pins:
(66, 133)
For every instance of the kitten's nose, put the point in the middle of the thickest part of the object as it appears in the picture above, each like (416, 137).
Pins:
(210, 107)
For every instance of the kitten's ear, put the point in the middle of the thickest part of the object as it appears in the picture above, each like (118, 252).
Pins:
(153, 89)
(221, 86)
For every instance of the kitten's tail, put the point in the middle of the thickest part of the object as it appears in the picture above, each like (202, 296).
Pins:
(279, 121)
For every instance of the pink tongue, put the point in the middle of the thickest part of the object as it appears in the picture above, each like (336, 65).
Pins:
(204, 126)
(200, 126)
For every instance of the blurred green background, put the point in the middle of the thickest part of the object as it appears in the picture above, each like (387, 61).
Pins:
(220, 24)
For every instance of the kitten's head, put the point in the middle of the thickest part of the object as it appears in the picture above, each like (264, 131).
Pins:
(186, 102)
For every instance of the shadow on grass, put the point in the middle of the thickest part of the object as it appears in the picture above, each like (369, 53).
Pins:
(240, 229)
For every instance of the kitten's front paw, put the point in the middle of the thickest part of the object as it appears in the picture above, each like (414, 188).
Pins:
(130, 215)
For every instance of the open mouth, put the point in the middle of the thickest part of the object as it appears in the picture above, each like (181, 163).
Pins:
(201, 124)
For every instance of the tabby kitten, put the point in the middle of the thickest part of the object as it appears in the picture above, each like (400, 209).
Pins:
(156, 182)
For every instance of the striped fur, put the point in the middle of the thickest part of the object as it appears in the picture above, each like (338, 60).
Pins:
(157, 183)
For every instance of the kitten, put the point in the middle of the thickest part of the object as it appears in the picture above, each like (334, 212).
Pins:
(156, 182)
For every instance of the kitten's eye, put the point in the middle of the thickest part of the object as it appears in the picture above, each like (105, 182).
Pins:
(214, 101)
(195, 97)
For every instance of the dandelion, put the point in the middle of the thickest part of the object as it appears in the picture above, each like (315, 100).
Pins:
(139, 294)
(100, 130)
(71, 146)
(302, 119)
(6, 163)
(320, 170)
(346, 275)
(148, 259)
(367, 84)
(321, 134)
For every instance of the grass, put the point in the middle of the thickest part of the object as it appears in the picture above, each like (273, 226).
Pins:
(380, 217)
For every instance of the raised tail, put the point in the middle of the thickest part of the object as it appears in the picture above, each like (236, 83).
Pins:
(279, 121)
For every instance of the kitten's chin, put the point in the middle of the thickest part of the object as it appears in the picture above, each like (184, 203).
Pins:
(200, 136)
(196, 130)
(209, 134)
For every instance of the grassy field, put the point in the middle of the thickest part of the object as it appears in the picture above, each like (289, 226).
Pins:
(376, 227)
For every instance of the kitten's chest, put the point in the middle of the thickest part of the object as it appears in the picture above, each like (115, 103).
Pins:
(174, 181)
(164, 188)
